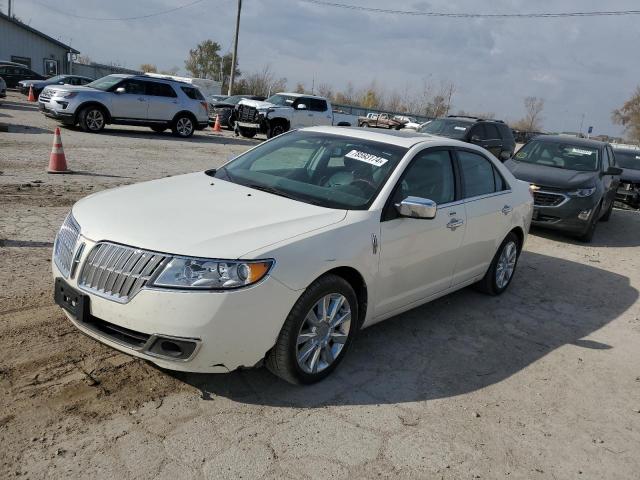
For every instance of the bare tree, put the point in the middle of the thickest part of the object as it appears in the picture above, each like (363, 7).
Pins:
(300, 88)
(170, 71)
(325, 90)
(263, 82)
(149, 68)
(83, 60)
(532, 121)
(629, 116)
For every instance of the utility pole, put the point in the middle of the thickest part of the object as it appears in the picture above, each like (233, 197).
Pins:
(10, 9)
(581, 124)
(234, 59)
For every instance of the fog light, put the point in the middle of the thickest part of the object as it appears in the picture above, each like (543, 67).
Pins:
(584, 215)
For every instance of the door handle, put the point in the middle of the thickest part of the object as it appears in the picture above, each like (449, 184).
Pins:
(455, 223)
(507, 209)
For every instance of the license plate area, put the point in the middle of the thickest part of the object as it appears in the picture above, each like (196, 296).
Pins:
(74, 302)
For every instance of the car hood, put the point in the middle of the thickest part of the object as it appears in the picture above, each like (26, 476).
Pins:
(197, 215)
(260, 105)
(630, 175)
(26, 83)
(73, 88)
(543, 175)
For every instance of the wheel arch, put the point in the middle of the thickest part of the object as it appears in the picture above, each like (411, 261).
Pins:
(185, 112)
(359, 285)
(283, 120)
(92, 103)
(519, 232)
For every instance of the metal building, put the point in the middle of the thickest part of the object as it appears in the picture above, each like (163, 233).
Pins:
(23, 44)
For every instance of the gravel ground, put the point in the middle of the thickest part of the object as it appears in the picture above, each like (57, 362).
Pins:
(542, 382)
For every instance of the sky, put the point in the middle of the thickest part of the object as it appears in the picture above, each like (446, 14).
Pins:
(580, 66)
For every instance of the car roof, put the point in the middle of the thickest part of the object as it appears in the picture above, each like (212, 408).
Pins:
(298, 95)
(625, 148)
(400, 138)
(584, 142)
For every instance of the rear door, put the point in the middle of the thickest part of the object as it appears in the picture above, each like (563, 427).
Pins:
(163, 102)
(133, 104)
(488, 204)
(418, 256)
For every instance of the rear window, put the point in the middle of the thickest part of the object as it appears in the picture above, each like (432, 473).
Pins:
(193, 93)
(158, 89)
(505, 132)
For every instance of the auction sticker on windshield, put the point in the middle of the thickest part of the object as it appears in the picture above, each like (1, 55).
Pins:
(578, 151)
(367, 158)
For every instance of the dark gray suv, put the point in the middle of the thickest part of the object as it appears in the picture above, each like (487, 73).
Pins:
(574, 182)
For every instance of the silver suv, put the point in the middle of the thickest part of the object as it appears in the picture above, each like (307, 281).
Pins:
(128, 100)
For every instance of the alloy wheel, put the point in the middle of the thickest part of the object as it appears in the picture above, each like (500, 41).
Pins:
(323, 333)
(184, 126)
(95, 120)
(506, 265)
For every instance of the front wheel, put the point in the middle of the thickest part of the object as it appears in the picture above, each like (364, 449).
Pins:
(587, 236)
(502, 267)
(247, 132)
(607, 216)
(183, 126)
(317, 332)
(92, 119)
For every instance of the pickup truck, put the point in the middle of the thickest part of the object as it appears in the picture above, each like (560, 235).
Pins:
(285, 111)
(380, 120)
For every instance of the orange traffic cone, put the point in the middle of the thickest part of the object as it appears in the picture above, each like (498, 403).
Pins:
(31, 97)
(57, 160)
(216, 126)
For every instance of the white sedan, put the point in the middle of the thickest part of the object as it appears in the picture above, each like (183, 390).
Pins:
(287, 251)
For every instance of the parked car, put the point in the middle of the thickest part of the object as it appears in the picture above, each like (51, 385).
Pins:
(493, 135)
(38, 85)
(574, 182)
(12, 74)
(288, 250)
(128, 100)
(3, 88)
(217, 98)
(285, 111)
(627, 157)
(380, 120)
(226, 109)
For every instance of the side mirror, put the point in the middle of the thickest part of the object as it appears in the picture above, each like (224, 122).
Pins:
(120, 90)
(417, 207)
(613, 171)
(476, 139)
(504, 156)
(301, 106)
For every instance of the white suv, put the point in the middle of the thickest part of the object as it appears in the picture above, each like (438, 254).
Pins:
(128, 100)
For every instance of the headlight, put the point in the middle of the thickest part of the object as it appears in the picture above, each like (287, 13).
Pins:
(207, 274)
(69, 95)
(583, 192)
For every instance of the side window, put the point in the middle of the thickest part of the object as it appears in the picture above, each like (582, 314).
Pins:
(612, 156)
(491, 132)
(501, 183)
(478, 174)
(431, 176)
(133, 87)
(3, 70)
(84, 81)
(318, 105)
(158, 89)
(478, 131)
(193, 93)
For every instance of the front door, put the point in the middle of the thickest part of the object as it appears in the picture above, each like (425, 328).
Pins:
(488, 203)
(133, 103)
(418, 256)
(302, 117)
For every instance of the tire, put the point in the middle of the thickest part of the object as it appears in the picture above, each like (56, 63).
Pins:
(308, 361)
(276, 129)
(587, 236)
(183, 126)
(365, 125)
(231, 123)
(493, 283)
(247, 132)
(607, 216)
(92, 119)
(158, 129)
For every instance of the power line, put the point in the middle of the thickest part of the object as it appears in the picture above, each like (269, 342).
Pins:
(417, 13)
(138, 17)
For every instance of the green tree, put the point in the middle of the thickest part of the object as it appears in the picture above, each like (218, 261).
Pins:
(205, 61)
(629, 116)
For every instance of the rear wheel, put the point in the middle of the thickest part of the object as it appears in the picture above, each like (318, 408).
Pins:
(276, 129)
(92, 119)
(317, 332)
(502, 267)
(183, 126)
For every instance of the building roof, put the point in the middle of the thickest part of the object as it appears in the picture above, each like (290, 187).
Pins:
(26, 27)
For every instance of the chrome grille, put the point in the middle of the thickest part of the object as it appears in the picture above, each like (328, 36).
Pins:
(45, 94)
(65, 244)
(247, 114)
(117, 272)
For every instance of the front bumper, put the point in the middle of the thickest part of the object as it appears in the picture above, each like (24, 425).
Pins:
(629, 195)
(55, 111)
(232, 329)
(566, 216)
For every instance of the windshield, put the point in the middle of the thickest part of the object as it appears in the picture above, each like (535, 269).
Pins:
(281, 100)
(234, 100)
(446, 128)
(57, 78)
(332, 171)
(105, 83)
(628, 159)
(560, 155)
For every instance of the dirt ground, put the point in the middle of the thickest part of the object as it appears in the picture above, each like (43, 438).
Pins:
(542, 382)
